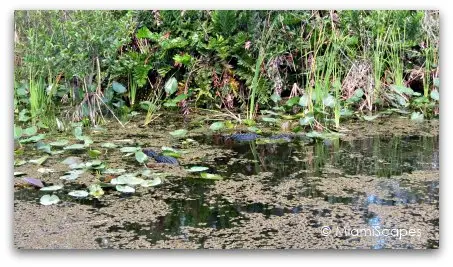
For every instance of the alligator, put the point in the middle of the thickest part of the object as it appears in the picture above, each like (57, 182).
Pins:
(160, 158)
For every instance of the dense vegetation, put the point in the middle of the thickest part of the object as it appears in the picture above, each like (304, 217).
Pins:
(309, 68)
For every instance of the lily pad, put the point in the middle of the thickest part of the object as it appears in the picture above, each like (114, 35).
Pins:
(49, 200)
(52, 188)
(108, 145)
(370, 118)
(140, 156)
(19, 173)
(72, 160)
(45, 170)
(18, 132)
(129, 149)
(198, 169)
(78, 193)
(152, 182)
(75, 147)
(59, 143)
(19, 162)
(179, 133)
(125, 189)
(114, 171)
(210, 176)
(126, 179)
(435, 95)
(267, 119)
(39, 161)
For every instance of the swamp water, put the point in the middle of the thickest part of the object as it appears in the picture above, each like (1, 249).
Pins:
(375, 192)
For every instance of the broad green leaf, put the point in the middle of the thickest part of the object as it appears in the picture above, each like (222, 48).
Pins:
(40, 160)
(125, 189)
(435, 95)
(436, 82)
(43, 147)
(275, 97)
(19, 162)
(78, 132)
(417, 117)
(52, 188)
(49, 200)
(78, 193)
(197, 169)
(152, 182)
(179, 133)
(306, 120)
(30, 131)
(94, 153)
(18, 132)
(118, 87)
(329, 101)
(292, 101)
(402, 89)
(140, 156)
(59, 143)
(171, 86)
(304, 101)
(33, 139)
(217, 126)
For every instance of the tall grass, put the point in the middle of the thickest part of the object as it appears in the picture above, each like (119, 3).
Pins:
(264, 44)
(132, 90)
(395, 61)
(38, 99)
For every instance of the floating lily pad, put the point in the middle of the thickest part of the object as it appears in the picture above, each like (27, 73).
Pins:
(125, 189)
(52, 188)
(197, 169)
(114, 171)
(19, 173)
(72, 160)
(140, 156)
(19, 162)
(267, 119)
(179, 133)
(75, 147)
(49, 200)
(152, 182)
(435, 95)
(129, 149)
(18, 132)
(108, 145)
(39, 161)
(59, 143)
(210, 176)
(127, 179)
(78, 193)
(45, 170)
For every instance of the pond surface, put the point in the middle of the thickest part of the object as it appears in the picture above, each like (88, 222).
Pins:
(375, 192)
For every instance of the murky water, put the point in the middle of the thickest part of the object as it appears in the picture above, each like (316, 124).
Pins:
(324, 183)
